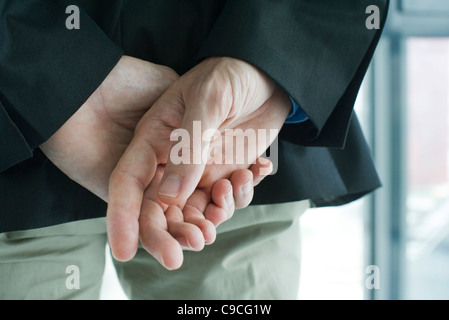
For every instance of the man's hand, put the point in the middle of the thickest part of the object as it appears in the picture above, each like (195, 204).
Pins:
(89, 145)
(219, 93)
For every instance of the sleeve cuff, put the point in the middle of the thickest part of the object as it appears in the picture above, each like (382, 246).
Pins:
(296, 115)
(13, 146)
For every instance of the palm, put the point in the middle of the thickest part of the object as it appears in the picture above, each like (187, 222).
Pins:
(164, 119)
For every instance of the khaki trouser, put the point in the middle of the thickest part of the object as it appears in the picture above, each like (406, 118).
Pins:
(256, 256)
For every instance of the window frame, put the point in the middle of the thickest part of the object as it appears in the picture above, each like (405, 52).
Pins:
(386, 87)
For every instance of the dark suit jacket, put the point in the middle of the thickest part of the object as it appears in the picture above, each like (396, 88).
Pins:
(317, 50)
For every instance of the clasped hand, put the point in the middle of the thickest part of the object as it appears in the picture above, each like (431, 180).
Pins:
(118, 146)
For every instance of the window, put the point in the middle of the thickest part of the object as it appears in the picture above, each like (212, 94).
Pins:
(427, 218)
(333, 242)
(409, 216)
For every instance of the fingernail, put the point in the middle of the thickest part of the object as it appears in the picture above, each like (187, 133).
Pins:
(160, 260)
(171, 186)
(188, 247)
(229, 197)
(246, 189)
(257, 180)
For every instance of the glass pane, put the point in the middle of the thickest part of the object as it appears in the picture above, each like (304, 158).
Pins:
(332, 253)
(427, 264)
(332, 239)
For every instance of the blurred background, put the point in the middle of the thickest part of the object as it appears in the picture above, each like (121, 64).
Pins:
(403, 228)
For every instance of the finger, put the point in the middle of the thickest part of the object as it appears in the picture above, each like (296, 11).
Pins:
(261, 169)
(197, 130)
(222, 207)
(163, 231)
(128, 181)
(154, 228)
(156, 239)
(189, 236)
(242, 184)
(193, 213)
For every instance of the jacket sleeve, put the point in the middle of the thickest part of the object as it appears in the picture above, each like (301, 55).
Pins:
(317, 50)
(46, 71)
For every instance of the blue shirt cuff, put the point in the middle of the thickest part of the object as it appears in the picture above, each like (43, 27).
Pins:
(296, 115)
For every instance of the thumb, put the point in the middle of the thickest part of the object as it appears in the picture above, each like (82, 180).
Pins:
(189, 153)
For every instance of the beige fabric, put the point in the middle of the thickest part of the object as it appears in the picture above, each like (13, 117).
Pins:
(256, 256)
